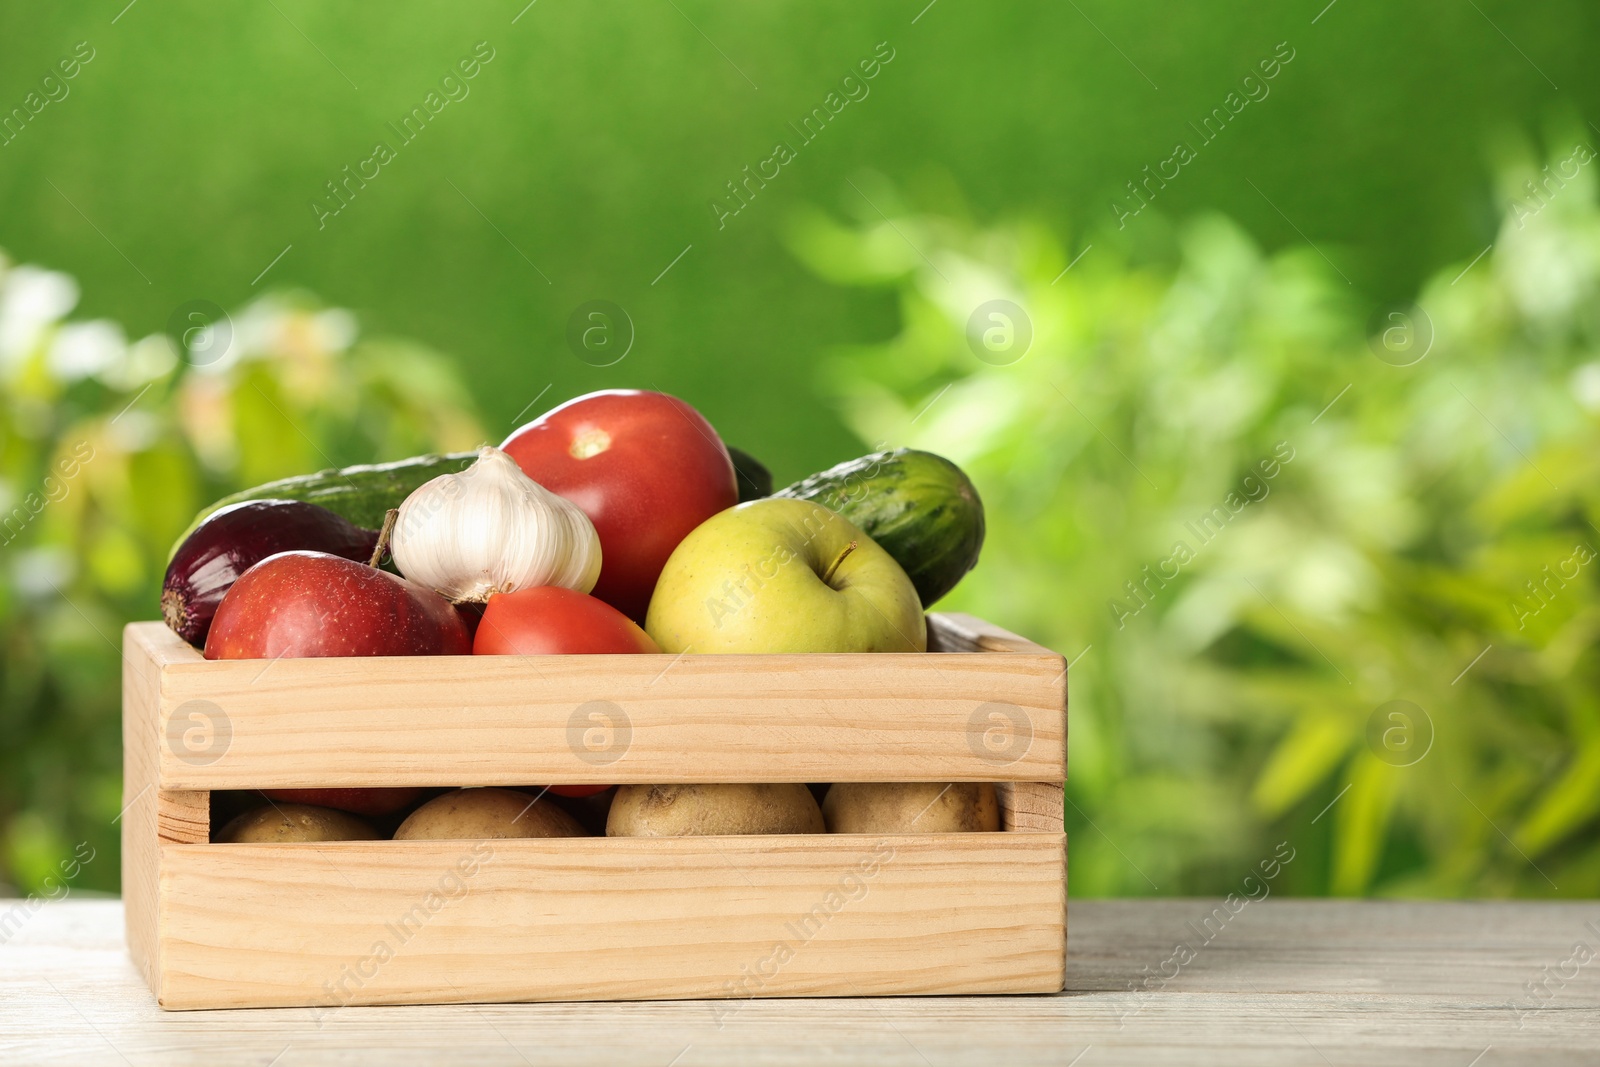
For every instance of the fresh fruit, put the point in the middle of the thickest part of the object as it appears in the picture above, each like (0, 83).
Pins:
(701, 810)
(363, 495)
(784, 576)
(309, 604)
(475, 814)
(920, 507)
(590, 809)
(577, 792)
(911, 808)
(645, 467)
(492, 529)
(550, 621)
(294, 823)
(755, 481)
(357, 801)
(235, 538)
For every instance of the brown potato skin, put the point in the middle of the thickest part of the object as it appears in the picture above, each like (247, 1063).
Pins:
(294, 824)
(479, 814)
(911, 808)
(713, 810)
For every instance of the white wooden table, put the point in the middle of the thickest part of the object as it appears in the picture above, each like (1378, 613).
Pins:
(1281, 982)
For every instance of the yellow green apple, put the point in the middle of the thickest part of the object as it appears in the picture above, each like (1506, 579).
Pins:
(781, 575)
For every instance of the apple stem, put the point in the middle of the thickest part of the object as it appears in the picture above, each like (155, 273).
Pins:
(827, 575)
(384, 535)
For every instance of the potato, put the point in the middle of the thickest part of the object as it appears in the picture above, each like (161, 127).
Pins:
(698, 810)
(285, 823)
(476, 814)
(910, 808)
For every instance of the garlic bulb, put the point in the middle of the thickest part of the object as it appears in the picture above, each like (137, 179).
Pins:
(492, 529)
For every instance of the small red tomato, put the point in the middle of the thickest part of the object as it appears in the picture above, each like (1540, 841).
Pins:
(548, 620)
(645, 467)
(577, 791)
(360, 801)
(574, 792)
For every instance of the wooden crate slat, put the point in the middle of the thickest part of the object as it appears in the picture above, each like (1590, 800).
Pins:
(504, 720)
(619, 918)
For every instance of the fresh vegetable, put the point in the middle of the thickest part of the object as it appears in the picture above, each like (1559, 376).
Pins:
(294, 824)
(784, 576)
(235, 538)
(576, 792)
(362, 495)
(311, 604)
(645, 467)
(920, 507)
(697, 810)
(478, 814)
(911, 808)
(755, 481)
(360, 801)
(549, 620)
(491, 529)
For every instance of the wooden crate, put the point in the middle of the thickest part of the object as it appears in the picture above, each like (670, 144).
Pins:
(392, 922)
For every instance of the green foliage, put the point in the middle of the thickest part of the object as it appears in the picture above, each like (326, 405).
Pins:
(107, 449)
(1250, 533)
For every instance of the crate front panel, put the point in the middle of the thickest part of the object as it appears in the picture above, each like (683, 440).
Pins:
(602, 919)
(520, 720)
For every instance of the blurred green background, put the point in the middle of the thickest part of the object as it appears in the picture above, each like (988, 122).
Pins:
(1381, 167)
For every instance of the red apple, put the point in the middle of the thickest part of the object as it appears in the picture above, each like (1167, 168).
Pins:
(645, 467)
(312, 604)
(359, 801)
(548, 620)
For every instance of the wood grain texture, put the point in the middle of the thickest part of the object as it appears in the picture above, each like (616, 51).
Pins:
(151, 816)
(241, 925)
(141, 682)
(1031, 807)
(511, 720)
(611, 919)
(950, 631)
(1286, 983)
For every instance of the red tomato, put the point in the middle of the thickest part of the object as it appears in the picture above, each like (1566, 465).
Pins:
(359, 801)
(548, 620)
(645, 467)
(574, 792)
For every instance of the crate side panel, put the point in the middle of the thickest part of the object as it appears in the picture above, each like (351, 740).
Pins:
(141, 682)
(600, 919)
(152, 817)
(502, 720)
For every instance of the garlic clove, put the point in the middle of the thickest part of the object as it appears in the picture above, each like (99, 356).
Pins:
(491, 529)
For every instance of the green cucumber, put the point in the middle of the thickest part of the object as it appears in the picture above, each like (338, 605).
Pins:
(755, 481)
(361, 495)
(921, 508)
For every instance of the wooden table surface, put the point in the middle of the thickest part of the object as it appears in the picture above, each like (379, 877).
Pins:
(1280, 982)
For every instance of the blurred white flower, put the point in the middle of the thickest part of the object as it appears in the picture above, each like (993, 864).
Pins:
(134, 430)
(336, 327)
(82, 349)
(1551, 262)
(41, 572)
(146, 360)
(30, 300)
(270, 327)
(1586, 386)
(1328, 580)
